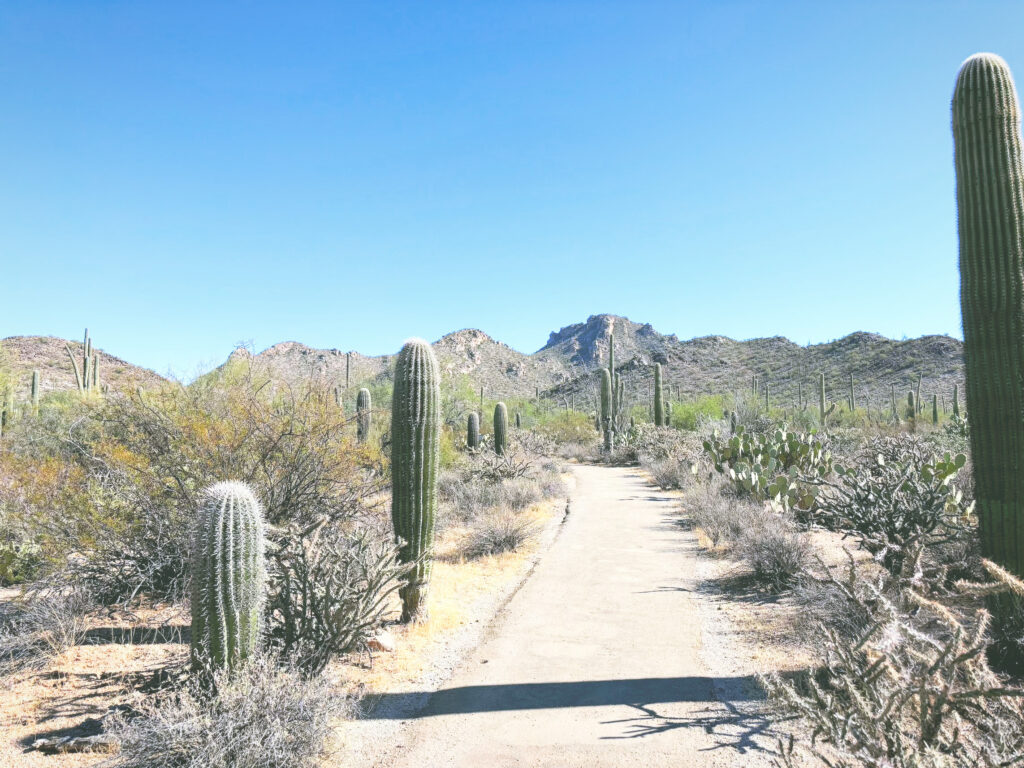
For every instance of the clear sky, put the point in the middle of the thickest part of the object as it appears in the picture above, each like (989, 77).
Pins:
(181, 176)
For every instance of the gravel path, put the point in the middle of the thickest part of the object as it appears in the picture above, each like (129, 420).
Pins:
(608, 655)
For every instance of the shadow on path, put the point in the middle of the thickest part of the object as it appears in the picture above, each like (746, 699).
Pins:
(638, 692)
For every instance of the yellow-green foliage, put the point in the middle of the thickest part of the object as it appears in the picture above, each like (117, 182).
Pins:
(686, 415)
(567, 427)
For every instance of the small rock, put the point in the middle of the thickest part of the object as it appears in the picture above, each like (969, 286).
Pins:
(104, 742)
(382, 641)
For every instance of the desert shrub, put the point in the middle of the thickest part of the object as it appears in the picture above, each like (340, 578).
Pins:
(775, 551)
(687, 415)
(567, 427)
(130, 491)
(328, 593)
(499, 531)
(260, 717)
(42, 625)
(913, 688)
(668, 473)
(723, 518)
(897, 494)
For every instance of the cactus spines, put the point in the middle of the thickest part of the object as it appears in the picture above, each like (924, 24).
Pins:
(659, 405)
(519, 420)
(956, 401)
(473, 430)
(990, 206)
(500, 429)
(363, 415)
(35, 391)
(911, 408)
(228, 576)
(415, 459)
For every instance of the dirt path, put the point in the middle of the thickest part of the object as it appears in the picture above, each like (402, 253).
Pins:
(599, 659)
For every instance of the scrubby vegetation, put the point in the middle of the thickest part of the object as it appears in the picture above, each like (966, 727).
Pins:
(113, 503)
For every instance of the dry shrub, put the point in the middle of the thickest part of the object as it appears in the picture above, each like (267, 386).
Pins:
(41, 626)
(911, 689)
(260, 717)
(329, 593)
(776, 552)
(500, 531)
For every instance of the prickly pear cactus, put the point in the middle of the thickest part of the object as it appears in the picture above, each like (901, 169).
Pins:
(228, 576)
(415, 458)
(363, 414)
(500, 429)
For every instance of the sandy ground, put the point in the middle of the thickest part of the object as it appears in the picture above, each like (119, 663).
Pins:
(122, 652)
(607, 656)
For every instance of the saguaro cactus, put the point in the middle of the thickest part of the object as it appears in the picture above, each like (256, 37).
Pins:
(853, 396)
(415, 445)
(821, 397)
(473, 430)
(228, 576)
(363, 414)
(956, 401)
(935, 409)
(990, 205)
(500, 429)
(606, 408)
(35, 392)
(659, 397)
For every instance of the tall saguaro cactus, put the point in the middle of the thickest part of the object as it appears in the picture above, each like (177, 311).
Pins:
(659, 398)
(35, 392)
(473, 430)
(415, 458)
(363, 414)
(500, 429)
(228, 576)
(606, 409)
(821, 398)
(990, 206)
(956, 401)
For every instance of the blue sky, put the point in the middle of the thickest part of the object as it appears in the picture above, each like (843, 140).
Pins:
(181, 176)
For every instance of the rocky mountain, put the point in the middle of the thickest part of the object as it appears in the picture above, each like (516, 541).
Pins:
(49, 356)
(565, 368)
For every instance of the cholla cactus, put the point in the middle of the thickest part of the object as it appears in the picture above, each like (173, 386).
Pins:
(500, 429)
(473, 430)
(228, 576)
(363, 414)
(415, 460)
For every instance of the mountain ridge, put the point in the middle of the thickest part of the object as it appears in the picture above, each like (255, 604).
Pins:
(565, 367)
